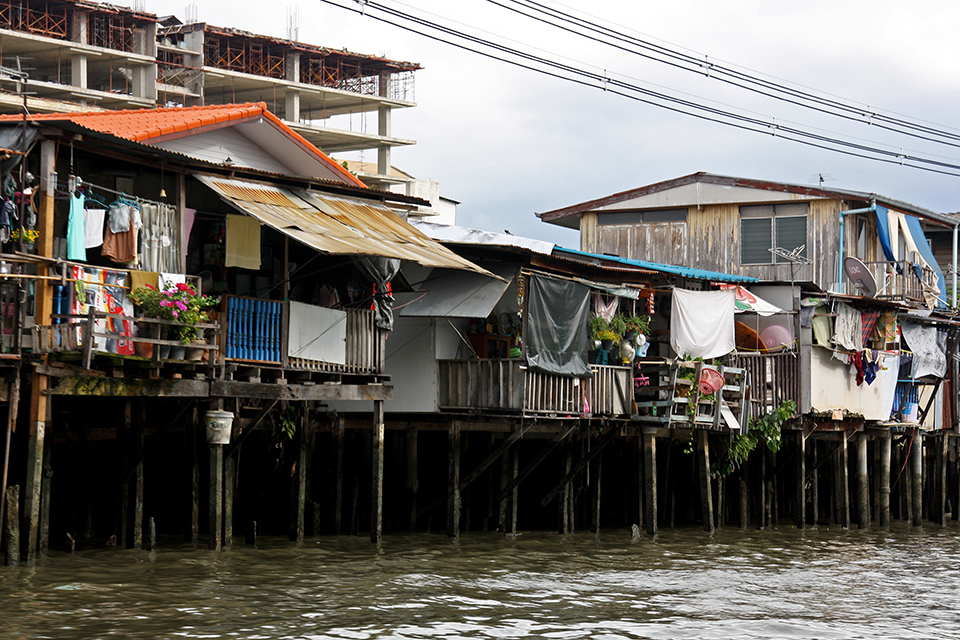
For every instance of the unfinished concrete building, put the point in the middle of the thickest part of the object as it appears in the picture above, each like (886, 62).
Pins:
(81, 56)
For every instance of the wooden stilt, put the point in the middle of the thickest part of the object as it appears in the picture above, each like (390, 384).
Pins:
(453, 479)
(885, 443)
(744, 499)
(764, 497)
(193, 446)
(863, 483)
(31, 499)
(942, 457)
(800, 461)
(12, 525)
(515, 493)
(706, 490)
(641, 509)
(412, 476)
(251, 533)
(841, 483)
(152, 535)
(46, 489)
(340, 437)
(650, 479)
(298, 524)
(216, 496)
(597, 479)
(376, 498)
(916, 478)
(13, 402)
(563, 503)
(814, 480)
(229, 484)
(136, 511)
(720, 502)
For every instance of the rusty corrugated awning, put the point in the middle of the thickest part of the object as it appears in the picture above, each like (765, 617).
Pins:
(336, 225)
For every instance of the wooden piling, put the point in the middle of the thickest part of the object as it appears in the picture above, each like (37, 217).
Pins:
(744, 499)
(299, 512)
(916, 478)
(216, 496)
(943, 454)
(641, 510)
(229, 496)
(841, 483)
(563, 502)
(412, 473)
(193, 446)
(136, 449)
(596, 494)
(376, 498)
(706, 491)
(251, 533)
(31, 494)
(800, 478)
(339, 437)
(886, 443)
(46, 489)
(453, 479)
(512, 509)
(814, 484)
(863, 482)
(12, 525)
(151, 535)
(650, 479)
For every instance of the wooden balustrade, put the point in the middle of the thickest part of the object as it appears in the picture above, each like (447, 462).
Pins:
(774, 378)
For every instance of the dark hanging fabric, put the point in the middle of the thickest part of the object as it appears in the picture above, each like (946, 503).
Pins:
(381, 271)
(558, 312)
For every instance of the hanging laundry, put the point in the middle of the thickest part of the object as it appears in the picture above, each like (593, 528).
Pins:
(857, 361)
(243, 242)
(94, 226)
(604, 309)
(822, 328)
(871, 364)
(702, 324)
(928, 357)
(848, 330)
(869, 320)
(121, 247)
(77, 228)
(886, 328)
(119, 217)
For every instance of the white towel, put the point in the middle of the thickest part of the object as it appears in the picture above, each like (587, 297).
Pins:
(94, 222)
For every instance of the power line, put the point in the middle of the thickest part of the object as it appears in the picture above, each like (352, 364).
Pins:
(625, 89)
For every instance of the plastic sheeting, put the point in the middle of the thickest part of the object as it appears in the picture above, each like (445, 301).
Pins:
(558, 313)
(381, 271)
(701, 323)
(929, 358)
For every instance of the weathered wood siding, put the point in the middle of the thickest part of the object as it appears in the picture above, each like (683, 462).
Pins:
(710, 239)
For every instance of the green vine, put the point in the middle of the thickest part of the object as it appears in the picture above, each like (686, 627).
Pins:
(288, 421)
(764, 429)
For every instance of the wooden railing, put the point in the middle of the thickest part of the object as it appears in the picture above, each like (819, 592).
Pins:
(93, 333)
(508, 385)
(670, 396)
(774, 378)
(900, 281)
(338, 341)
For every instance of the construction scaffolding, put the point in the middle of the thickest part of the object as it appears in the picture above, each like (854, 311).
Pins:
(108, 26)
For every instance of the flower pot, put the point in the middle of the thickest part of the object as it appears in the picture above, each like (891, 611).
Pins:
(178, 352)
(29, 247)
(144, 349)
(164, 351)
(194, 352)
(219, 426)
(606, 345)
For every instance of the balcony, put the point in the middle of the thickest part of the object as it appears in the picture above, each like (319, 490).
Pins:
(501, 385)
(899, 282)
(668, 394)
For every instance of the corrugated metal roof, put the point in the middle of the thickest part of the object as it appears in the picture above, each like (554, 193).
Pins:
(686, 272)
(337, 225)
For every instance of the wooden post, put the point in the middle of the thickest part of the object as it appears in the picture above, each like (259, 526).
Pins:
(841, 483)
(376, 499)
(563, 502)
(943, 454)
(650, 479)
(12, 525)
(744, 498)
(641, 511)
(863, 483)
(216, 496)
(515, 493)
(299, 520)
(192, 436)
(886, 444)
(814, 485)
(453, 479)
(412, 478)
(152, 535)
(46, 490)
(136, 448)
(764, 498)
(31, 502)
(800, 510)
(229, 484)
(597, 478)
(916, 478)
(706, 490)
(340, 437)
(251, 534)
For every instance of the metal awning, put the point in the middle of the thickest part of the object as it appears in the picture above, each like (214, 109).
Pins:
(336, 225)
(456, 294)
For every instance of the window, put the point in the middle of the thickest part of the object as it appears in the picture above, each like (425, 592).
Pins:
(765, 227)
(640, 217)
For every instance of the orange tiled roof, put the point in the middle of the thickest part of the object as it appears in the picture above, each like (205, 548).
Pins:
(141, 125)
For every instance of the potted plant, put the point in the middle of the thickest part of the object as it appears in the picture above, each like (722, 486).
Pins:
(607, 338)
(180, 303)
(29, 237)
(634, 325)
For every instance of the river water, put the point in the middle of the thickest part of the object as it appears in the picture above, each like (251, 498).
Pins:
(823, 583)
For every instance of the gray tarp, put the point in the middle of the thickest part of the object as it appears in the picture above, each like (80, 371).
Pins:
(381, 271)
(558, 313)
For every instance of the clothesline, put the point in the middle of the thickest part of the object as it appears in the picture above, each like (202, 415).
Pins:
(81, 182)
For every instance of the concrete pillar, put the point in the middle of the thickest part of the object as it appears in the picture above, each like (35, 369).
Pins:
(80, 32)
(78, 70)
(383, 127)
(916, 479)
(863, 483)
(841, 483)
(885, 443)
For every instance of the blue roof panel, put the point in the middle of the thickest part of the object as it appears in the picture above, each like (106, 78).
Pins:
(686, 272)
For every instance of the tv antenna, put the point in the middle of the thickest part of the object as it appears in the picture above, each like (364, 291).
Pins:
(821, 178)
(794, 256)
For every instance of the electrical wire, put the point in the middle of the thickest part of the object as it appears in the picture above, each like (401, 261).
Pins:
(684, 107)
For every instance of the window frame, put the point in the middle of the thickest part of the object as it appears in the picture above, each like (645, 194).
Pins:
(773, 212)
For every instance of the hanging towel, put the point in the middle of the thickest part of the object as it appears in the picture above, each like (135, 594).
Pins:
(140, 279)
(702, 324)
(243, 242)
(886, 327)
(77, 229)
(822, 328)
(94, 225)
(848, 331)
(869, 319)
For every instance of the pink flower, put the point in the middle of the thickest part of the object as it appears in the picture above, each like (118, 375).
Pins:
(176, 314)
(181, 306)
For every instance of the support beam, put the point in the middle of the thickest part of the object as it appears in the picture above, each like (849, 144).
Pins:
(229, 483)
(340, 434)
(192, 436)
(706, 490)
(800, 510)
(650, 480)
(563, 504)
(886, 443)
(453, 480)
(606, 439)
(916, 478)
(412, 482)
(136, 495)
(814, 484)
(943, 455)
(597, 483)
(376, 498)
(216, 496)
(863, 482)
(841, 483)
(299, 519)
(11, 525)
(540, 457)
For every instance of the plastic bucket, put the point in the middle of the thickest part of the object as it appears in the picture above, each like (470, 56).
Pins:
(219, 426)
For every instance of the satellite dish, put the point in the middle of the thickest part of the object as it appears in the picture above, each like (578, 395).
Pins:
(860, 276)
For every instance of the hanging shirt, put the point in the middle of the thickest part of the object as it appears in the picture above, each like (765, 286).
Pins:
(77, 229)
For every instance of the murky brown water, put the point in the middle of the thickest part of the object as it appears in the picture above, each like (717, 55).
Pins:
(902, 583)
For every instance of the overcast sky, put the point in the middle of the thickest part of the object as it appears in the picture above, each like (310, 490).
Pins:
(508, 142)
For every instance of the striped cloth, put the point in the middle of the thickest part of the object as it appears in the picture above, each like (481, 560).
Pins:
(869, 319)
